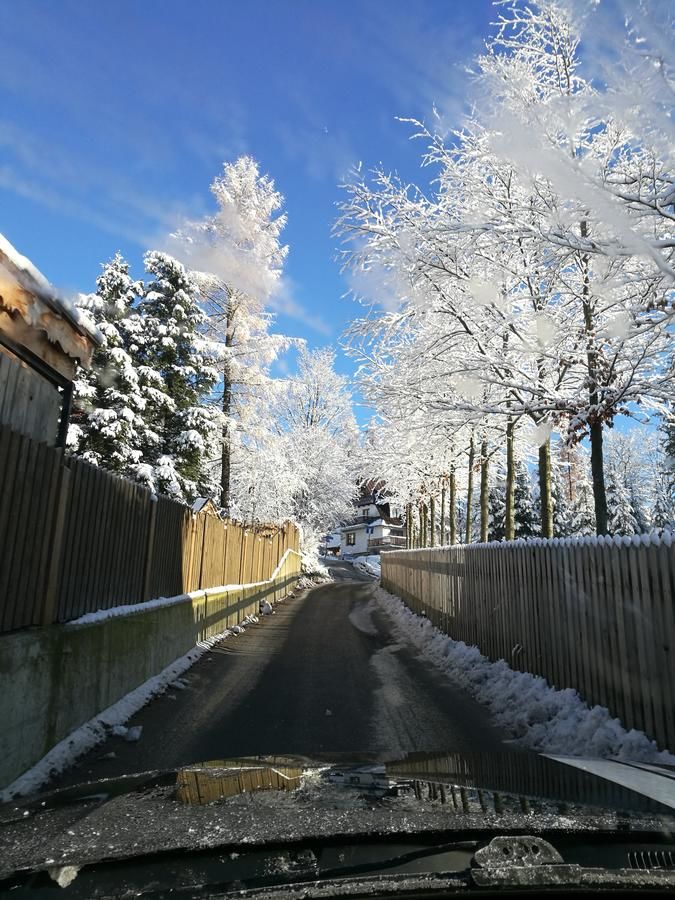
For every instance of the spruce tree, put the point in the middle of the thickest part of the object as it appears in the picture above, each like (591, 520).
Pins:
(526, 523)
(562, 512)
(663, 513)
(174, 356)
(108, 426)
(497, 510)
(622, 518)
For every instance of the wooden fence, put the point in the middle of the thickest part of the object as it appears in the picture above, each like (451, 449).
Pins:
(76, 539)
(598, 617)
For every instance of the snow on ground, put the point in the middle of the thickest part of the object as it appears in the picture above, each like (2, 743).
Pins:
(314, 569)
(530, 711)
(369, 564)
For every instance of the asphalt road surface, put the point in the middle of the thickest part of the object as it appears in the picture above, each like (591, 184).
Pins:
(323, 675)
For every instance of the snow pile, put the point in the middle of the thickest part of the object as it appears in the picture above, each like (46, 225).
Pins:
(314, 569)
(523, 705)
(370, 565)
(111, 720)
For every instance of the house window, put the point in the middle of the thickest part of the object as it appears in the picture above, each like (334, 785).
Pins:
(351, 538)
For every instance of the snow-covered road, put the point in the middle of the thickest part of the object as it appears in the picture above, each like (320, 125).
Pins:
(325, 674)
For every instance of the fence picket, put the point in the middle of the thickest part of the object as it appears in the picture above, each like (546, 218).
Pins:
(599, 617)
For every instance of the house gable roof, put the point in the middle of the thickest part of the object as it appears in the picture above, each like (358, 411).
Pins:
(24, 291)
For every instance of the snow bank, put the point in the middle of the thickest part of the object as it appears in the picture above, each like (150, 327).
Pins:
(314, 569)
(371, 565)
(110, 721)
(523, 705)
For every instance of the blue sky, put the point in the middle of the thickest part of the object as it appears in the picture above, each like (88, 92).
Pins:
(116, 116)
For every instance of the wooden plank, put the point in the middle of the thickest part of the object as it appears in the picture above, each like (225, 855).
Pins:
(650, 675)
(27, 559)
(10, 376)
(63, 498)
(126, 516)
(115, 537)
(81, 596)
(618, 566)
(149, 549)
(662, 562)
(71, 525)
(642, 711)
(14, 614)
(96, 590)
(48, 540)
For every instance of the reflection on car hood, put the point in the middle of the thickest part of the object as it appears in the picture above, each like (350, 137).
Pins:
(283, 799)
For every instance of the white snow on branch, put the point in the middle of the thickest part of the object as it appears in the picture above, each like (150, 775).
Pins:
(534, 714)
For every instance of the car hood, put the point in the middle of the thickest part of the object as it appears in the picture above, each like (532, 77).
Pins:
(277, 800)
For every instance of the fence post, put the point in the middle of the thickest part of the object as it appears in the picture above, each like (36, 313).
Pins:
(149, 549)
(50, 601)
(201, 562)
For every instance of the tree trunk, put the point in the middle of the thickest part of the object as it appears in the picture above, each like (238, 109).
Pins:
(408, 526)
(469, 495)
(597, 461)
(442, 522)
(226, 456)
(453, 507)
(484, 467)
(432, 535)
(225, 462)
(545, 489)
(598, 473)
(509, 516)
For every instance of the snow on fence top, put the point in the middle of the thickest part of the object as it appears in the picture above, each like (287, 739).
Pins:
(45, 299)
(653, 539)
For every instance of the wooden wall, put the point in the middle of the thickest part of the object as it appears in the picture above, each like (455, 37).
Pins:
(76, 539)
(598, 617)
(28, 403)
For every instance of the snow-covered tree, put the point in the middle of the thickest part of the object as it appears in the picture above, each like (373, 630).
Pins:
(166, 342)
(497, 503)
(504, 290)
(236, 258)
(524, 504)
(622, 518)
(562, 512)
(302, 459)
(108, 423)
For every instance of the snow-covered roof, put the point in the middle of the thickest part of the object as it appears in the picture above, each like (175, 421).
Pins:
(202, 503)
(38, 303)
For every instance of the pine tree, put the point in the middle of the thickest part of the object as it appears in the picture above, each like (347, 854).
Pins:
(108, 423)
(622, 518)
(663, 513)
(497, 511)
(172, 353)
(562, 511)
(526, 523)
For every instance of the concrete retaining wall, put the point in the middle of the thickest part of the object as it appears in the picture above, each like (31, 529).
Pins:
(54, 679)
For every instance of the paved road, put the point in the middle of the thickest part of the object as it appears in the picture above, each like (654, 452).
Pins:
(323, 675)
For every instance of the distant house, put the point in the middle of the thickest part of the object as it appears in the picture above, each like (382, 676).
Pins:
(330, 543)
(43, 339)
(376, 525)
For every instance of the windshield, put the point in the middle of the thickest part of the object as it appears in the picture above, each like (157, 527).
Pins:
(336, 420)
